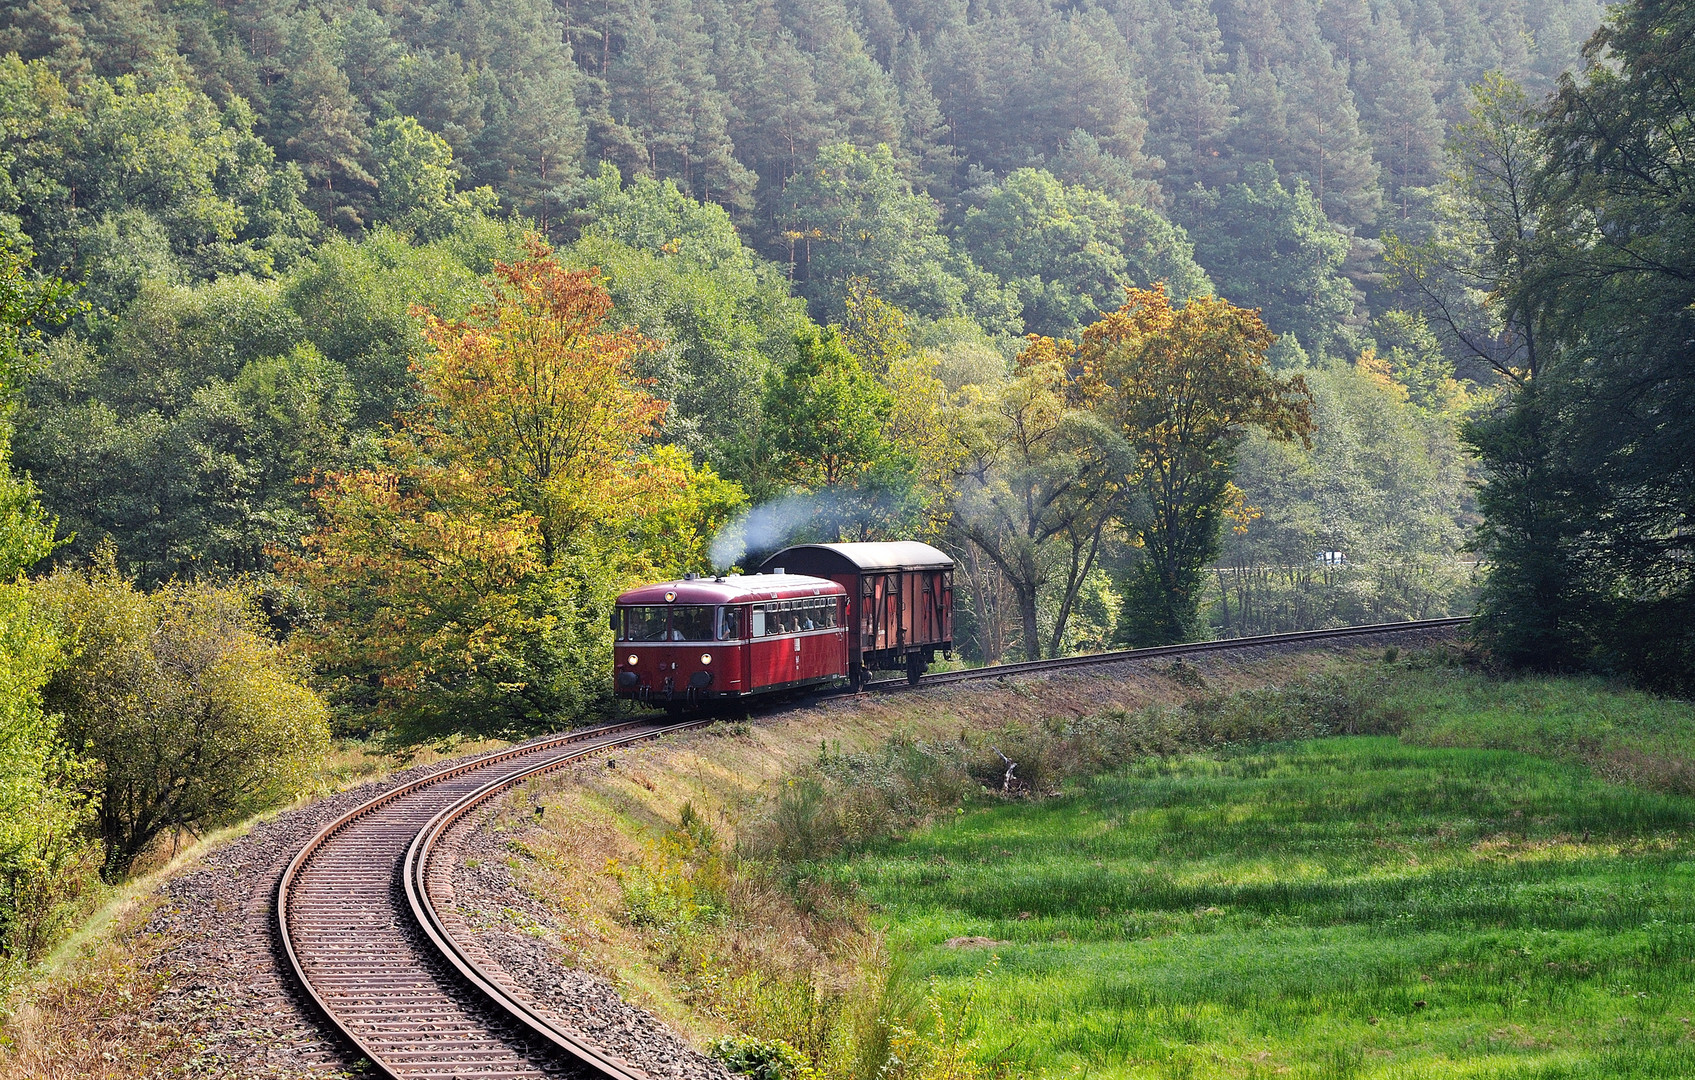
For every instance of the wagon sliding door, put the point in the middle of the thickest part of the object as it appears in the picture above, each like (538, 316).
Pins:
(932, 606)
(879, 611)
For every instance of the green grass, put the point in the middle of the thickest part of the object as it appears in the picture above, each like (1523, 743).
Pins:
(1351, 907)
(1625, 735)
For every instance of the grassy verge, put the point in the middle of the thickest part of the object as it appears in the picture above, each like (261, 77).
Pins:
(682, 872)
(1340, 907)
(1624, 735)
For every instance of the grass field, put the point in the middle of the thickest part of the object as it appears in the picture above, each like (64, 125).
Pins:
(1346, 907)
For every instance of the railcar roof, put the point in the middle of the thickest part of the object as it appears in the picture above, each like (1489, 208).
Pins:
(890, 555)
(734, 589)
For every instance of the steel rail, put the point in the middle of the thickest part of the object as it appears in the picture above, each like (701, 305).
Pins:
(1119, 656)
(416, 875)
(451, 959)
(381, 999)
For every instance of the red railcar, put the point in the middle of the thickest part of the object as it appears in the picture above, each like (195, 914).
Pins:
(688, 642)
(900, 600)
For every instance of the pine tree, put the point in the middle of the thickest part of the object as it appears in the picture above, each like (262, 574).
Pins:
(327, 137)
(1326, 146)
(924, 129)
(1398, 112)
(1179, 52)
(1259, 130)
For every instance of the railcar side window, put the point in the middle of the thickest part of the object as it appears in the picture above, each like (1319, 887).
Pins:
(795, 616)
(729, 623)
(692, 623)
(643, 624)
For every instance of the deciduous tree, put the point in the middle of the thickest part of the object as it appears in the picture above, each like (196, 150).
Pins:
(1182, 385)
(1040, 483)
(464, 587)
(532, 386)
(191, 716)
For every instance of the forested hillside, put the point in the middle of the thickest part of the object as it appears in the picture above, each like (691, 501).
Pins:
(356, 356)
(1148, 104)
(251, 197)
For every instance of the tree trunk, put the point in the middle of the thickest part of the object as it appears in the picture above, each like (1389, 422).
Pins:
(1027, 616)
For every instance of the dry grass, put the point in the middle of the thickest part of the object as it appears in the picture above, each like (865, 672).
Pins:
(87, 1019)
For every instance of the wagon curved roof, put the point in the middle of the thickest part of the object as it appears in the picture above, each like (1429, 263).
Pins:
(860, 558)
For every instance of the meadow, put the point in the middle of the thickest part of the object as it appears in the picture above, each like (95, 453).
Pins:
(1341, 907)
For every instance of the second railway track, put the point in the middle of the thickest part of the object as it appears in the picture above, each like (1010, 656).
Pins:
(365, 938)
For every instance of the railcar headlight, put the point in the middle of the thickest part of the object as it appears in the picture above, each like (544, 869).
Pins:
(631, 659)
(706, 658)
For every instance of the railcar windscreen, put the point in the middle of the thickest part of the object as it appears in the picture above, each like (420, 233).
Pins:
(693, 623)
(643, 624)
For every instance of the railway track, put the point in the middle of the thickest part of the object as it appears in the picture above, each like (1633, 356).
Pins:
(1029, 667)
(362, 908)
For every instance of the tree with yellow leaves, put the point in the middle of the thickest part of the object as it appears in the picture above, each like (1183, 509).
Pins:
(464, 588)
(534, 389)
(1182, 385)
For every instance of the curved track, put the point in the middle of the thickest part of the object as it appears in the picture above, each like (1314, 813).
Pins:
(359, 921)
(1001, 671)
(360, 953)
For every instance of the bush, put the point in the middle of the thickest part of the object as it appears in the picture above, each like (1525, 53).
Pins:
(190, 716)
(681, 884)
(46, 862)
(762, 1059)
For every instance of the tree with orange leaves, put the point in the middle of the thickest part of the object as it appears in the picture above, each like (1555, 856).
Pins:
(464, 589)
(1183, 385)
(533, 388)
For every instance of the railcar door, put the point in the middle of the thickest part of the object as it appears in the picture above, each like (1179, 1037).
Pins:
(935, 601)
(733, 650)
(768, 660)
(822, 638)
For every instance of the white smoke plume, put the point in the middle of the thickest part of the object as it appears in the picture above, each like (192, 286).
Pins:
(763, 528)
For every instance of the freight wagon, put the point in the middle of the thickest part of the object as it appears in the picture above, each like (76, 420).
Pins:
(900, 600)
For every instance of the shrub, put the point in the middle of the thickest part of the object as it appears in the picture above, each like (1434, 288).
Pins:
(190, 716)
(762, 1059)
(681, 884)
(45, 860)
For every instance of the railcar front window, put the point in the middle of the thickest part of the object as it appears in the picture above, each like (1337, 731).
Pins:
(644, 624)
(692, 623)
